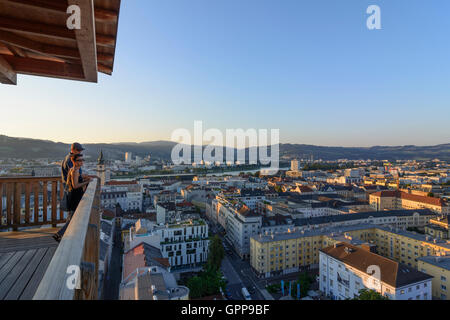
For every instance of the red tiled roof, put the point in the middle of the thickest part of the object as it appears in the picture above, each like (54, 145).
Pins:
(417, 198)
(386, 194)
(392, 273)
(411, 197)
(135, 258)
(120, 183)
(109, 213)
(184, 204)
(305, 189)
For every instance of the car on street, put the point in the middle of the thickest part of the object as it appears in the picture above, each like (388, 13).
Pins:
(246, 294)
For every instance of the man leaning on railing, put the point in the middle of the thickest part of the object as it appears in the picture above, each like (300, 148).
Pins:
(74, 182)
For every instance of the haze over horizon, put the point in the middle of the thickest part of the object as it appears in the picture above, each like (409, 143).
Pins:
(168, 141)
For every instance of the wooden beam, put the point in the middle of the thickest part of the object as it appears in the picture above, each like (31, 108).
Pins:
(10, 38)
(86, 39)
(7, 74)
(36, 28)
(45, 68)
(37, 47)
(48, 30)
(59, 6)
(104, 69)
(16, 51)
(105, 15)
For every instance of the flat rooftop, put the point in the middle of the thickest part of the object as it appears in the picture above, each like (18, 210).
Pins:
(441, 262)
(309, 233)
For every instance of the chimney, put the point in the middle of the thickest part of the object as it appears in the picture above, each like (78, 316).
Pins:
(369, 247)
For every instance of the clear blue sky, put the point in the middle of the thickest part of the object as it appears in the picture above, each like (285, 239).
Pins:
(308, 67)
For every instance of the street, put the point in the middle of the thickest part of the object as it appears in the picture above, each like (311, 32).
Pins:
(114, 274)
(239, 275)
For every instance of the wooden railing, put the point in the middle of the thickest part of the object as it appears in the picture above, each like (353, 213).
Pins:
(29, 200)
(77, 256)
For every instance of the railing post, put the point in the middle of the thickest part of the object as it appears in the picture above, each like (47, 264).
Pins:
(54, 203)
(1, 203)
(27, 202)
(44, 201)
(61, 196)
(36, 202)
(17, 205)
(9, 204)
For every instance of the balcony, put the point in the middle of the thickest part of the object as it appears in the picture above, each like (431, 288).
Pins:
(32, 264)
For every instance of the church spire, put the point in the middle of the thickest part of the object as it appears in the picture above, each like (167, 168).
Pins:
(101, 161)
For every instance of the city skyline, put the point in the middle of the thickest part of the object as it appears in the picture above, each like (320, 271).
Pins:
(69, 142)
(313, 70)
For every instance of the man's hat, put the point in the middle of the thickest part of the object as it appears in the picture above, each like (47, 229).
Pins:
(77, 146)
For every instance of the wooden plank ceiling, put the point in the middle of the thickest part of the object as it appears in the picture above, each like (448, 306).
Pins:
(35, 40)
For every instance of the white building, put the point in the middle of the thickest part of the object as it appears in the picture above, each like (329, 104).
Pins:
(295, 165)
(128, 194)
(240, 223)
(165, 212)
(152, 283)
(346, 269)
(185, 244)
(251, 197)
(128, 157)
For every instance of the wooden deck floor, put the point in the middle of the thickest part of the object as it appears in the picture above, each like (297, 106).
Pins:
(24, 258)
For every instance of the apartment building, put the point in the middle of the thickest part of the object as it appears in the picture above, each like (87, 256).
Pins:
(240, 224)
(438, 228)
(396, 218)
(128, 194)
(251, 197)
(283, 253)
(193, 192)
(287, 252)
(276, 223)
(301, 206)
(346, 269)
(391, 200)
(165, 212)
(439, 268)
(152, 283)
(185, 244)
(407, 247)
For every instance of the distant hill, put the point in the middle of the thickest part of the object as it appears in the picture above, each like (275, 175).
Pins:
(377, 153)
(32, 149)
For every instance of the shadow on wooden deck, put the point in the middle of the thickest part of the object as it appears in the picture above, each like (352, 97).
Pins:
(24, 258)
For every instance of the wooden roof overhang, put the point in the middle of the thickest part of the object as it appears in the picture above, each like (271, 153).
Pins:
(35, 39)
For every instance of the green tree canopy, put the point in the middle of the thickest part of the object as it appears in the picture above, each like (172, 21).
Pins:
(209, 281)
(215, 254)
(366, 294)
